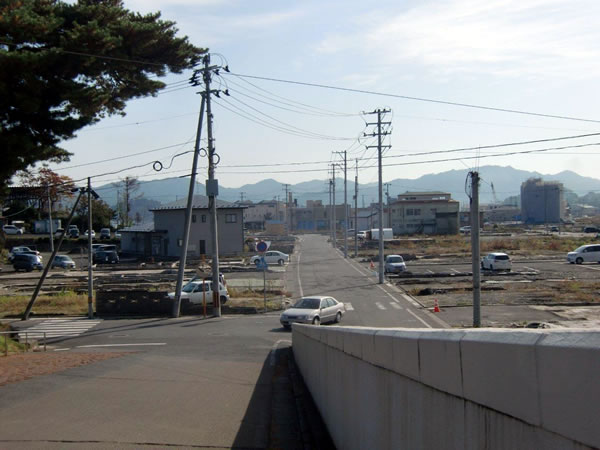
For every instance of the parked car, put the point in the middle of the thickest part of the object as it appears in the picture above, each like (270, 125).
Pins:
(63, 262)
(394, 264)
(105, 233)
(58, 232)
(496, 261)
(73, 231)
(18, 250)
(585, 253)
(591, 229)
(193, 291)
(222, 279)
(315, 310)
(27, 262)
(465, 229)
(361, 235)
(272, 257)
(102, 256)
(554, 229)
(118, 234)
(85, 235)
(11, 229)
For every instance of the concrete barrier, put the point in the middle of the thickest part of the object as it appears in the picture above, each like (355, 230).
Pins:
(468, 389)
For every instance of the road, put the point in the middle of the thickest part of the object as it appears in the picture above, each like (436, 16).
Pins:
(193, 382)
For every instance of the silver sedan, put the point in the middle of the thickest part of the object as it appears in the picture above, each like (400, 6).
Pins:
(315, 310)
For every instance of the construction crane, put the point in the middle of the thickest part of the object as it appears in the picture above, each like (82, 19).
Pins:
(496, 202)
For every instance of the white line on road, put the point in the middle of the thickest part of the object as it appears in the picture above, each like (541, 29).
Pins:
(380, 306)
(348, 306)
(419, 319)
(274, 349)
(122, 345)
(395, 305)
(589, 267)
(531, 269)
(61, 349)
(298, 272)
(455, 271)
(429, 270)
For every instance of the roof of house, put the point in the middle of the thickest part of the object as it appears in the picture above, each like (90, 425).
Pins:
(424, 193)
(141, 228)
(199, 202)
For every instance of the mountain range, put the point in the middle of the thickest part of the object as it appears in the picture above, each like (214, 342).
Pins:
(498, 183)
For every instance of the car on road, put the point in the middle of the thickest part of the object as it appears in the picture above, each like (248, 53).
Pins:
(315, 310)
(19, 250)
(11, 229)
(58, 232)
(63, 262)
(105, 233)
(591, 229)
(93, 233)
(272, 257)
(105, 256)
(585, 253)
(465, 229)
(496, 261)
(361, 235)
(27, 262)
(394, 264)
(197, 290)
(118, 234)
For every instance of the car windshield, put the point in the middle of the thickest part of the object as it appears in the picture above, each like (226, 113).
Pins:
(308, 303)
(395, 259)
(189, 287)
(579, 249)
(502, 257)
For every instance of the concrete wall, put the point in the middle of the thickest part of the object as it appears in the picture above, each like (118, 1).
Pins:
(455, 389)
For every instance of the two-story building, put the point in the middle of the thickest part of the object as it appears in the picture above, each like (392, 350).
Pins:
(424, 213)
(257, 214)
(165, 236)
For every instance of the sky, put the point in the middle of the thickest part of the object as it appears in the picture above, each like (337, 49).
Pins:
(537, 56)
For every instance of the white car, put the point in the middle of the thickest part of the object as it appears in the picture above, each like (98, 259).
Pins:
(194, 292)
(87, 232)
(394, 264)
(496, 261)
(315, 310)
(11, 229)
(585, 253)
(272, 257)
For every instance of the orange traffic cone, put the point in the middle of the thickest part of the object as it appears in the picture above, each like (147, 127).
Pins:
(372, 266)
(436, 306)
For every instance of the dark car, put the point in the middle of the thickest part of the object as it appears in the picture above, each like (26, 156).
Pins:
(73, 233)
(102, 256)
(63, 261)
(591, 229)
(105, 233)
(27, 262)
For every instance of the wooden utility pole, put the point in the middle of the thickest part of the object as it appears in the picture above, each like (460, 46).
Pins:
(475, 248)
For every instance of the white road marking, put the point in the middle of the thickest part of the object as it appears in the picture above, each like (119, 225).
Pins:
(298, 274)
(410, 300)
(455, 271)
(274, 349)
(380, 306)
(54, 328)
(429, 270)
(419, 319)
(61, 349)
(348, 306)
(395, 305)
(144, 344)
(530, 269)
(589, 267)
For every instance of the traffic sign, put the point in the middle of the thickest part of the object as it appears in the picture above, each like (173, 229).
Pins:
(262, 264)
(262, 246)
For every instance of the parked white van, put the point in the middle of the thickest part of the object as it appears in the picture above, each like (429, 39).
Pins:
(585, 253)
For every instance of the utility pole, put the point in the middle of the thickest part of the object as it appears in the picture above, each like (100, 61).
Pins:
(50, 227)
(475, 248)
(334, 205)
(387, 196)
(356, 211)
(242, 196)
(380, 134)
(287, 207)
(345, 204)
(330, 214)
(188, 214)
(126, 201)
(90, 259)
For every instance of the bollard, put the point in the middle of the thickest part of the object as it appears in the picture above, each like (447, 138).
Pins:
(6, 345)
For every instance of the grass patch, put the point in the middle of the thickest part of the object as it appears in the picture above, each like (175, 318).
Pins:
(63, 302)
(13, 346)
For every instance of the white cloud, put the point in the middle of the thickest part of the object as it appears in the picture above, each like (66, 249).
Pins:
(534, 38)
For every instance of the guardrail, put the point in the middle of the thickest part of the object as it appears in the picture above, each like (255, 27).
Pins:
(8, 334)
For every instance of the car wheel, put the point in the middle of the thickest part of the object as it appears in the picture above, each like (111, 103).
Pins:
(29, 269)
(338, 317)
(579, 260)
(280, 262)
(491, 267)
(223, 299)
(256, 262)
(316, 321)
(287, 327)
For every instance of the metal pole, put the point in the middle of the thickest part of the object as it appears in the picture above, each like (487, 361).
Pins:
(90, 259)
(330, 215)
(50, 221)
(188, 216)
(475, 249)
(265, 288)
(356, 212)
(380, 187)
(334, 221)
(49, 263)
(345, 206)
(212, 195)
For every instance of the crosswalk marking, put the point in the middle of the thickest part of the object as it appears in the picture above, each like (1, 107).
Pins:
(349, 306)
(395, 305)
(54, 328)
(380, 306)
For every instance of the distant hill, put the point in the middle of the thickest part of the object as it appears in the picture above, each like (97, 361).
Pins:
(506, 181)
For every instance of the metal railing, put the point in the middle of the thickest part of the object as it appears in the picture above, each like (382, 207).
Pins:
(19, 334)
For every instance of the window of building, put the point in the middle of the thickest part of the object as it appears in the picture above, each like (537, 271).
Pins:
(193, 218)
(203, 218)
(410, 212)
(230, 218)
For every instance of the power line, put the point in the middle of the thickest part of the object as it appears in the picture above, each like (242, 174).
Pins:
(420, 99)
